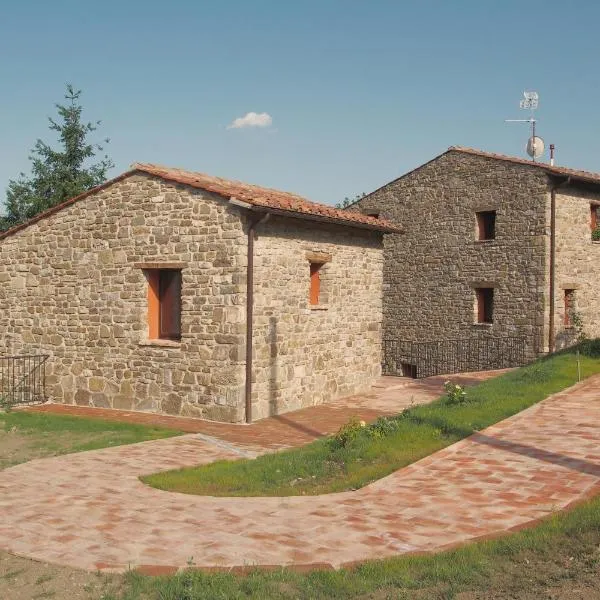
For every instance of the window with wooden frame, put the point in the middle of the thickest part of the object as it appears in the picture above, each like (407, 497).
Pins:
(486, 225)
(484, 299)
(164, 304)
(569, 307)
(315, 283)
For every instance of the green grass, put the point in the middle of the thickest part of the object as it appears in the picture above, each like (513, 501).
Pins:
(35, 435)
(561, 551)
(419, 431)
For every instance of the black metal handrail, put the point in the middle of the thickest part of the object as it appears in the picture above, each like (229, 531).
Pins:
(23, 379)
(424, 359)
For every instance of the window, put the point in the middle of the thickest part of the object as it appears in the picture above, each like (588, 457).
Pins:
(164, 304)
(315, 282)
(594, 223)
(485, 305)
(486, 225)
(569, 307)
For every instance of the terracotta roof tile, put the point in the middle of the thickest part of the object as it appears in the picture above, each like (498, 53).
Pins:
(267, 198)
(551, 169)
(259, 197)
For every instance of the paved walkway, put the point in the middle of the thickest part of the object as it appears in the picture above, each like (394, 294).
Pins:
(89, 510)
(389, 396)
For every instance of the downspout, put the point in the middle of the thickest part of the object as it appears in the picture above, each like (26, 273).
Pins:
(551, 332)
(254, 221)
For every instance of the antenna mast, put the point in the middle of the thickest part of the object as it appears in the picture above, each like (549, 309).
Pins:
(535, 145)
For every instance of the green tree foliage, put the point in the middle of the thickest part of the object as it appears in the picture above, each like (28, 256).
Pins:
(57, 175)
(346, 202)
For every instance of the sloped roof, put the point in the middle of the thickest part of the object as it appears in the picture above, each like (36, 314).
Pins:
(260, 198)
(550, 169)
(267, 198)
(585, 176)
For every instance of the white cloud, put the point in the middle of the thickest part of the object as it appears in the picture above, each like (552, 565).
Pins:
(251, 119)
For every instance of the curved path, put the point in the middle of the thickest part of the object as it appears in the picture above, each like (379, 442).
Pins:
(89, 510)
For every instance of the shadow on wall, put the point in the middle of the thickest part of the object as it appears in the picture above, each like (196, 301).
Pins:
(273, 371)
(566, 338)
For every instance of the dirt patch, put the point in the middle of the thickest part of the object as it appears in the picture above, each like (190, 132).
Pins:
(25, 579)
(16, 448)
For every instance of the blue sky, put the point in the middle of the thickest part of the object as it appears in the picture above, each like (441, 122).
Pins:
(359, 92)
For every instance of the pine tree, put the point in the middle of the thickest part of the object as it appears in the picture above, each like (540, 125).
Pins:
(57, 175)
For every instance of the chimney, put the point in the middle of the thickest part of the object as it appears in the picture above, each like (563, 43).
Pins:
(551, 155)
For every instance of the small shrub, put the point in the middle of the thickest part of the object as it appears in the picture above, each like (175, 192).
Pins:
(596, 234)
(455, 394)
(5, 404)
(347, 434)
(590, 348)
(383, 427)
(538, 372)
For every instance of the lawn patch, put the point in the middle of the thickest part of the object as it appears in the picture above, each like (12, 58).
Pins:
(359, 455)
(557, 555)
(27, 435)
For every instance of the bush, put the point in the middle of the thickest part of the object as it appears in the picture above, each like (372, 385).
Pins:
(383, 427)
(596, 234)
(347, 434)
(455, 394)
(589, 348)
(538, 372)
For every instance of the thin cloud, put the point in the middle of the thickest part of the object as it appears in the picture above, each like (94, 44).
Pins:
(251, 119)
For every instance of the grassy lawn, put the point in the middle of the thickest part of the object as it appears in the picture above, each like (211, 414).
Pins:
(559, 558)
(370, 453)
(24, 435)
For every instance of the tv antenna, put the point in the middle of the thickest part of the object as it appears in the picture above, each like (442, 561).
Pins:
(535, 145)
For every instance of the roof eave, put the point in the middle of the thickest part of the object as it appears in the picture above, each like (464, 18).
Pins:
(324, 219)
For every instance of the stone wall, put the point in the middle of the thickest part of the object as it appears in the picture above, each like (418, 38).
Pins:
(69, 287)
(306, 355)
(577, 263)
(431, 271)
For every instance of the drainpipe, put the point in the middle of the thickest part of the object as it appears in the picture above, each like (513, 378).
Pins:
(253, 222)
(551, 333)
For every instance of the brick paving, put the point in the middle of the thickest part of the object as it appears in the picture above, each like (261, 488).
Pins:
(90, 510)
(389, 396)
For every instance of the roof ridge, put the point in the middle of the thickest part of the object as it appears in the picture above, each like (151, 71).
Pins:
(261, 198)
(552, 169)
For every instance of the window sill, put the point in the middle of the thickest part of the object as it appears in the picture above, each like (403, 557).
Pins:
(595, 241)
(318, 307)
(161, 343)
(485, 241)
(484, 325)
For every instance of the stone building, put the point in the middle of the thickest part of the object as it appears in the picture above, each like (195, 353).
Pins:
(496, 249)
(145, 290)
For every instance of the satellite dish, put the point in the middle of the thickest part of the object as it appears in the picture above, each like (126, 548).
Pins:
(535, 146)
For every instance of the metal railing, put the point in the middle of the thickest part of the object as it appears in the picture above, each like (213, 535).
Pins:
(23, 379)
(424, 359)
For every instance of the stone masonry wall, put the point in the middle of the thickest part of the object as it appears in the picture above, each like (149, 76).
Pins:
(577, 263)
(69, 287)
(308, 355)
(431, 271)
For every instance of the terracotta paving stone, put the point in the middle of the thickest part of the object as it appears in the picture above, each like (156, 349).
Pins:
(90, 510)
(390, 395)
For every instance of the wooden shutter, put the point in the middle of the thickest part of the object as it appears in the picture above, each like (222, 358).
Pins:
(170, 304)
(594, 216)
(315, 282)
(153, 304)
(568, 307)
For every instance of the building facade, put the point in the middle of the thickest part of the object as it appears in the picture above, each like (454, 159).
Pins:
(139, 293)
(483, 258)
